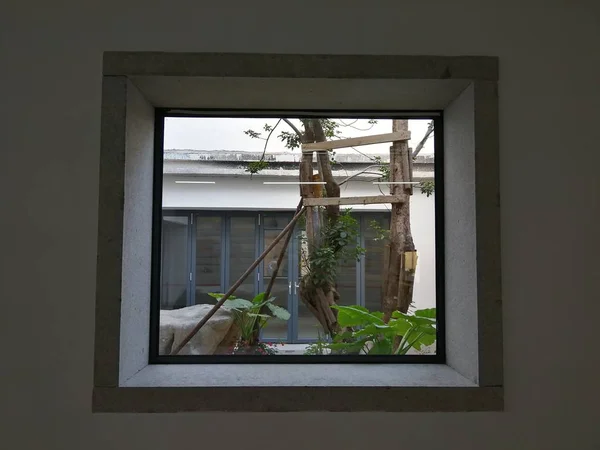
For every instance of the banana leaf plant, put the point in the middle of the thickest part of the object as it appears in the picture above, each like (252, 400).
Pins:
(365, 331)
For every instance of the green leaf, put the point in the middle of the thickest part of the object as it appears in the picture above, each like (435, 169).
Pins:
(427, 313)
(238, 303)
(372, 330)
(252, 134)
(256, 166)
(378, 314)
(381, 347)
(348, 346)
(420, 321)
(342, 336)
(417, 340)
(427, 339)
(431, 330)
(279, 312)
(400, 326)
(352, 316)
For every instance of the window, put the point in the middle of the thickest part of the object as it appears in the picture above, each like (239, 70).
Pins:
(235, 181)
(137, 85)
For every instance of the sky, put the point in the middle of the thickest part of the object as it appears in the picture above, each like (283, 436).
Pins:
(204, 133)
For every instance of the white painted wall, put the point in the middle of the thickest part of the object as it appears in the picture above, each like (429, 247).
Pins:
(245, 193)
(51, 55)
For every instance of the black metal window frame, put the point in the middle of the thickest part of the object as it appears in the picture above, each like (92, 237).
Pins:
(157, 215)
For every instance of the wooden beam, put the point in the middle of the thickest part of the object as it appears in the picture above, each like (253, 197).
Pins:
(367, 200)
(357, 141)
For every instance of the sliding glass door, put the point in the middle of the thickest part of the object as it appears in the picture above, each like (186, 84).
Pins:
(175, 262)
(271, 226)
(207, 274)
(205, 252)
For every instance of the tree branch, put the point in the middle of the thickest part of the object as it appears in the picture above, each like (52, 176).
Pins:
(345, 180)
(351, 125)
(296, 130)
(423, 141)
(267, 140)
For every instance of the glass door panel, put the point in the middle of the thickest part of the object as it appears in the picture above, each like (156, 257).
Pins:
(174, 266)
(208, 257)
(242, 253)
(308, 327)
(272, 225)
(374, 261)
(346, 281)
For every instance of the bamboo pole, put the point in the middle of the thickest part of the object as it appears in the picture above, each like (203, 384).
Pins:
(238, 283)
(281, 255)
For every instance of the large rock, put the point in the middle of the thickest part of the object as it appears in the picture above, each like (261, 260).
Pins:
(177, 323)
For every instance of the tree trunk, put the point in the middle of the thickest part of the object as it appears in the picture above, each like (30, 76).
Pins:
(318, 299)
(401, 262)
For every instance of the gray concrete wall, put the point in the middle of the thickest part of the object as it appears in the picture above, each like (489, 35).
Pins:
(137, 233)
(461, 261)
(549, 102)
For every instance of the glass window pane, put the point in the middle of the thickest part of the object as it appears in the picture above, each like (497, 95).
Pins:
(242, 253)
(276, 329)
(208, 257)
(275, 221)
(346, 281)
(227, 213)
(174, 269)
(374, 260)
(308, 326)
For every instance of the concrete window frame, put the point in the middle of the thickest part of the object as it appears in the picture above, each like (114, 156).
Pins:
(464, 88)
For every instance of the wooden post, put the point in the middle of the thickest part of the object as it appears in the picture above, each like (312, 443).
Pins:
(399, 278)
(365, 200)
(306, 192)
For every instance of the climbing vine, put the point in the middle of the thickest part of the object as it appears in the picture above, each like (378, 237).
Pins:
(427, 187)
(338, 242)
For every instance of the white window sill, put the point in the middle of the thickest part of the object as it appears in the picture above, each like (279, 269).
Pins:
(298, 375)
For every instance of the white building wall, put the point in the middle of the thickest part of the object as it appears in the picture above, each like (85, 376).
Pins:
(245, 193)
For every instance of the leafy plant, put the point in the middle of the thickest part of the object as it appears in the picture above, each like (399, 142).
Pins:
(331, 128)
(334, 247)
(332, 159)
(290, 140)
(253, 134)
(246, 348)
(381, 234)
(427, 187)
(384, 168)
(256, 166)
(319, 347)
(247, 314)
(366, 331)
